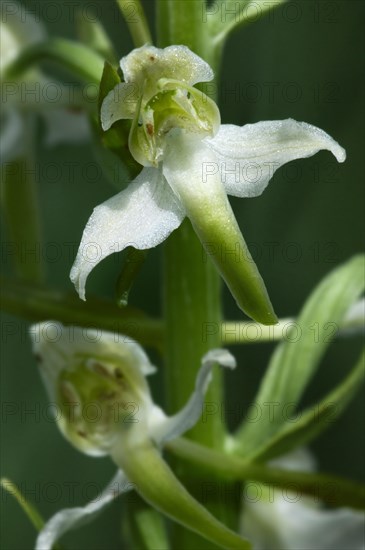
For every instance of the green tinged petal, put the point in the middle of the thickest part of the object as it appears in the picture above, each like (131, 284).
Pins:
(186, 159)
(157, 484)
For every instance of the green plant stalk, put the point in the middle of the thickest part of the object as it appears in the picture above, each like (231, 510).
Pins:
(36, 304)
(191, 296)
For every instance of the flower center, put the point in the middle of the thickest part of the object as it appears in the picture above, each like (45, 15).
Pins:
(97, 403)
(175, 105)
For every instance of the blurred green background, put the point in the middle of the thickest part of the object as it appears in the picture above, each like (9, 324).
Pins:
(305, 61)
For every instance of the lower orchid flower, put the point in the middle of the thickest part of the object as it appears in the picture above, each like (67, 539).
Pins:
(80, 367)
(190, 163)
(286, 520)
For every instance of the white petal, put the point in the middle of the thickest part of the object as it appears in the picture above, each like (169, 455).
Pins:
(292, 525)
(120, 103)
(68, 519)
(142, 216)
(56, 346)
(249, 155)
(298, 460)
(171, 427)
(355, 319)
(66, 126)
(291, 521)
(174, 62)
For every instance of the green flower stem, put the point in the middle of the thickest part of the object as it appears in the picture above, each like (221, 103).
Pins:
(249, 332)
(191, 291)
(179, 23)
(79, 59)
(19, 201)
(36, 304)
(156, 483)
(135, 18)
(192, 298)
(333, 490)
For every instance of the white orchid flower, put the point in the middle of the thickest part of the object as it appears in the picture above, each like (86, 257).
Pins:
(19, 30)
(190, 163)
(286, 520)
(84, 368)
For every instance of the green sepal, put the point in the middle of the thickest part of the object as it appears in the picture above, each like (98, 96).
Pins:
(293, 364)
(156, 483)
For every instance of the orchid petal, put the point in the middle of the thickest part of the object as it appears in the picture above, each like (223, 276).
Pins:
(291, 521)
(186, 166)
(142, 216)
(70, 518)
(174, 426)
(291, 525)
(120, 103)
(56, 346)
(146, 65)
(248, 156)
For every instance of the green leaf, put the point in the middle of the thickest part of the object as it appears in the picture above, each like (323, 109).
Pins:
(295, 360)
(79, 59)
(225, 17)
(314, 420)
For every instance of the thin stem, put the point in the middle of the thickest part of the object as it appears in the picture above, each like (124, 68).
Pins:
(36, 304)
(79, 59)
(135, 18)
(246, 332)
(19, 201)
(333, 490)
